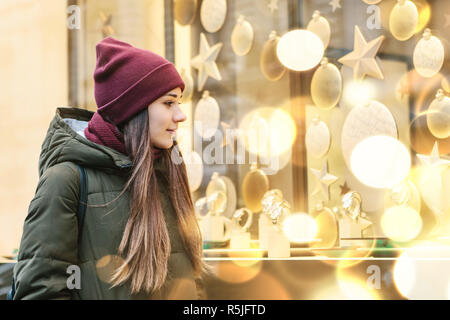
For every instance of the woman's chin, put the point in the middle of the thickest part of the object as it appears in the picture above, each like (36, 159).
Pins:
(164, 144)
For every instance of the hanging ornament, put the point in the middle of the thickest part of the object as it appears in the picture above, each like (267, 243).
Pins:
(335, 4)
(184, 11)
(438, 116)
(320, 26)
(433, 159)
(212, 14)
(323, 181)
(254, 186)
(428, 55)
(300, 50)
(242, 37)
(326, 85)
(365, 120)
(318, 138)
(194, 169)
(188, 85)
(271, 67)
(207, 116)
(371, 1)
(327, 227)
(404, 20)
(362, 58)
(205, 62)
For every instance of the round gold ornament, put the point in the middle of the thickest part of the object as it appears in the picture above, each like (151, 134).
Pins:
(271, 67)
(371, 1)
(207, 116)
(318, 138)
(327, 227)
(438, 116)
(184, 11)
(242, 37)
(326, 85)
(428, 55)
(403, 20)
(366, 120)
(194, 169)
(212, 14)
(321, 27)
(254, 186)
(188, 85)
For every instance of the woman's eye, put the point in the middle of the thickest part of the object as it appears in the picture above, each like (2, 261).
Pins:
(169, 103)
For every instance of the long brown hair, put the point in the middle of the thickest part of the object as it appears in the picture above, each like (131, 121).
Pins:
(145, 244)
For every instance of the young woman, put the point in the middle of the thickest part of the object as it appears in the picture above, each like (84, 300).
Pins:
(140, 238)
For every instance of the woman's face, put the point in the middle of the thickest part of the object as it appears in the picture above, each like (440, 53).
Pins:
(164, 115)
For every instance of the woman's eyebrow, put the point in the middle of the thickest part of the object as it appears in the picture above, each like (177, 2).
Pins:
(172, 95)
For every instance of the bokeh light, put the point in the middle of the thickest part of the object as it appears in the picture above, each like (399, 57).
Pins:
(300, 50)
(380, 161)
(300, 227)
(423, 271)
(401, 223)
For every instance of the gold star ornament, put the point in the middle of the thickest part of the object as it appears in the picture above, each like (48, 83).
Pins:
(363, 57)
(323, 181)
(205, 62)
(433, 159)
(335, 4)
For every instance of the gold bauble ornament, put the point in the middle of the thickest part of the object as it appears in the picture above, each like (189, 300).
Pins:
(242, 37)
(206, 116)
(184, 11)
(317, 138)
(326, 85)
(270, 66)
(403, 20)
(321, 27)
(371, 1)
(327, 227)
(254, 186)
(438, 116)
(428, 55)
(212, 14)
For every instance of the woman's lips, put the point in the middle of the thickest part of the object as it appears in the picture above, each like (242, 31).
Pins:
(172, 132)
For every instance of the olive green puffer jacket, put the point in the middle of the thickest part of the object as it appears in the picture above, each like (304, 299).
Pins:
(49, 243)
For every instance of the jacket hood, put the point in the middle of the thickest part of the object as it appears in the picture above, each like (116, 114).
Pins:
(65, 141)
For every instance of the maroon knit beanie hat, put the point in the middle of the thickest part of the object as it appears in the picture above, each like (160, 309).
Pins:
(128, 79)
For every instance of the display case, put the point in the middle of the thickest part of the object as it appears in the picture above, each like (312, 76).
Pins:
(324, 122)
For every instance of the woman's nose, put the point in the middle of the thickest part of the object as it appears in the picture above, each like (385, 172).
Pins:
(179, 115)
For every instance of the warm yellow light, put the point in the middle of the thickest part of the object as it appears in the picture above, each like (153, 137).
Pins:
(300, 227)
(300, 50)
(434, 186)
(423, 271)
(380, 162)
(358, 92)
(401, 223)
(355, 289)
(268, 132)
(282, 131)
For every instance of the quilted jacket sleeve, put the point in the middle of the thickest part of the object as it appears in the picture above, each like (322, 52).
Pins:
(49, 240)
